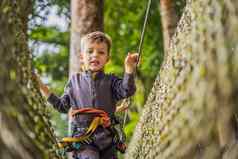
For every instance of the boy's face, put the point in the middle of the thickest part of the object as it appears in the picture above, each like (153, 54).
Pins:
(94, 56)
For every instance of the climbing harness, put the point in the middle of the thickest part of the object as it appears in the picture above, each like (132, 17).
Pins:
(127, 101)
(100, 118)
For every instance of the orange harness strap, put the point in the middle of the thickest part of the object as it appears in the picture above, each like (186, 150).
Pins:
(98, 113)
(100, 118)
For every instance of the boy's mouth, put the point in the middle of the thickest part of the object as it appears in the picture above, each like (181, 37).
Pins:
(94, 62)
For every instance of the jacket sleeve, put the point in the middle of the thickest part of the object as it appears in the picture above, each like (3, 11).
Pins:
(62, 104)
(123, 88)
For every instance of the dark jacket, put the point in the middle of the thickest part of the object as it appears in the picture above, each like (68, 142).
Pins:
(102, 92)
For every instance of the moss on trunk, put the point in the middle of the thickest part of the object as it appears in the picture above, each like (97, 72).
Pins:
(24, 121)
(190, 111)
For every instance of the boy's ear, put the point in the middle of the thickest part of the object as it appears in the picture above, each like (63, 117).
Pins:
(108, 58)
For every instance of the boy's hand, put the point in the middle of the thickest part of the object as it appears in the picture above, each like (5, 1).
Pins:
(131, 62)
(43, 88)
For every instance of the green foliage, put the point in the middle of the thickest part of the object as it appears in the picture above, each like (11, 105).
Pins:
(129, 128)
(124, 23)
(60, 124)
(179, 6)
(54, 65)
(51, 35)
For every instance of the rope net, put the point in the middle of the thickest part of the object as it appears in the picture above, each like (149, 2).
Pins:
(191, 110)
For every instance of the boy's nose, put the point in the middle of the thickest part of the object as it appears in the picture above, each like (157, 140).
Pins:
(95, 53)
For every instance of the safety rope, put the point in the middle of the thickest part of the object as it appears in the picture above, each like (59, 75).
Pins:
(139, 50)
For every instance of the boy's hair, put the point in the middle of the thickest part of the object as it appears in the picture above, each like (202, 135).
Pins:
(96, 36)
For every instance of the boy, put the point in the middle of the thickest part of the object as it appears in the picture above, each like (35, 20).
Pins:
(91, 94)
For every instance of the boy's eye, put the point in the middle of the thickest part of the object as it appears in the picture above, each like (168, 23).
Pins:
(90, 51)
(101, 52)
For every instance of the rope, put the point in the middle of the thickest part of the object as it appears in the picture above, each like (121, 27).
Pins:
(127, 101)
(143, 29)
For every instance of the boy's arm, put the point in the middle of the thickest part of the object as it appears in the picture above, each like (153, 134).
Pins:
(62, 104)
(123, 88)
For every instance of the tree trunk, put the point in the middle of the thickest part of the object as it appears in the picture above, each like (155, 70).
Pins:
(169, 20)
(87, 16)
(25, 131)
(190, 111)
